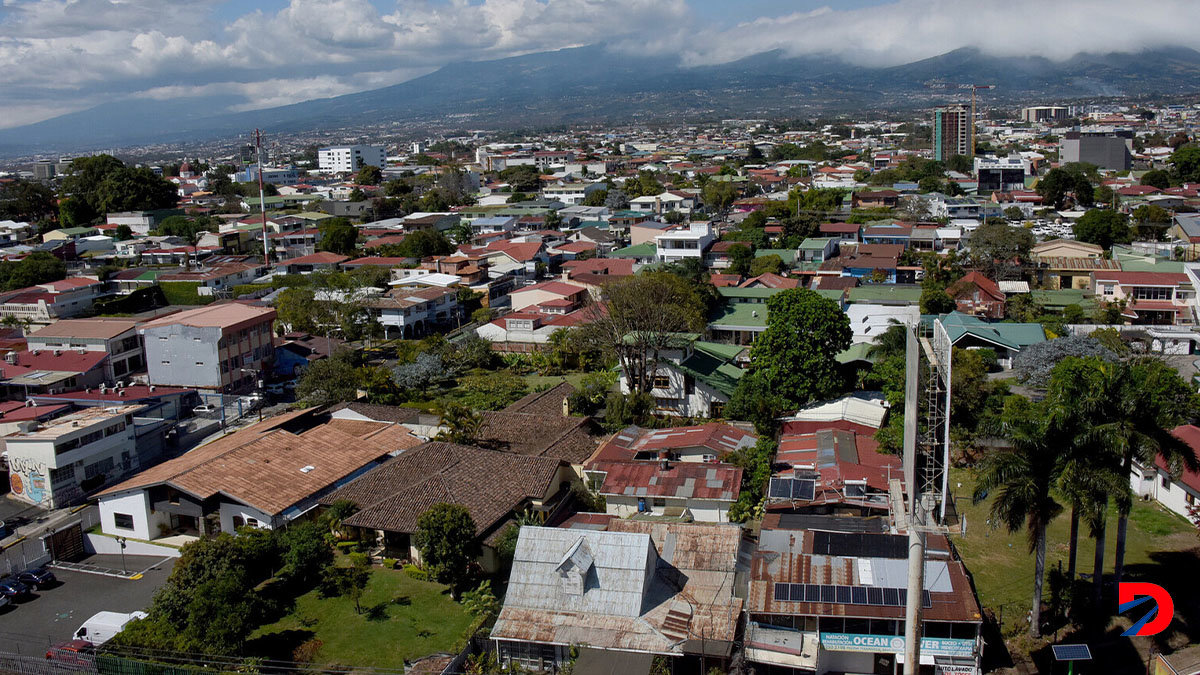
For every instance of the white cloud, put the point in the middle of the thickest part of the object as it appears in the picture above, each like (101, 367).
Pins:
(59, 55)
(910, 30)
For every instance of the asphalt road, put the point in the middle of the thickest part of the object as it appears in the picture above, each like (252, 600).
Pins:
(52, 615)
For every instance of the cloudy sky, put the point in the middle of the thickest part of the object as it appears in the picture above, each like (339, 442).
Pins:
(59, 56)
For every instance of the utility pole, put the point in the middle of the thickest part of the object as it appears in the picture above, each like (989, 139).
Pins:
(916, 539)
(262, 199)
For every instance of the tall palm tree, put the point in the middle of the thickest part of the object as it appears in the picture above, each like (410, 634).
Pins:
(1023, 477)
(1140, 404)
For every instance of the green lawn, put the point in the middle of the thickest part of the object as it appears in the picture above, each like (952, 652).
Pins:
(402, 619)
(547, 381)
(1002, 565)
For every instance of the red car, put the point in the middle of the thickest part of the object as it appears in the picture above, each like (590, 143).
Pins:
(74, 652)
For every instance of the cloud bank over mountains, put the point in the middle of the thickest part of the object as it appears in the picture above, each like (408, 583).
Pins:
(59, 56)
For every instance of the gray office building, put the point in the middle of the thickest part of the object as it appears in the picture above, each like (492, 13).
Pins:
(1106, 148)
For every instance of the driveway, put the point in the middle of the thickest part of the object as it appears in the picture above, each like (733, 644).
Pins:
(52, 615)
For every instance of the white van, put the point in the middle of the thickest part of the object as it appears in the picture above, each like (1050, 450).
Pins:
(104, 625)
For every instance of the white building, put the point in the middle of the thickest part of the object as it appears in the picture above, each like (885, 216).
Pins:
(685, 242)
(116, 337)
(1179, 493)
(52, 464)
(350, 158)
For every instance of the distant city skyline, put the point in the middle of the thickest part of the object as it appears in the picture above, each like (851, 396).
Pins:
(60, 56)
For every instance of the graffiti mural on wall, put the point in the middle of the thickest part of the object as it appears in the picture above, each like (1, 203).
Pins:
(28, 479)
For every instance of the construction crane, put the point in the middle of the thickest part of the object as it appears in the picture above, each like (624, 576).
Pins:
(974, 88)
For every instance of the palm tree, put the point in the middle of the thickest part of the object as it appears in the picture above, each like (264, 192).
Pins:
(1023, 479)
(1139, 405)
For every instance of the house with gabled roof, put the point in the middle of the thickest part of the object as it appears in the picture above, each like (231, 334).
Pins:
(265, 475)
(693, 378)
(632, 591)
(494, 487)
(1006, 339)
(978, 295)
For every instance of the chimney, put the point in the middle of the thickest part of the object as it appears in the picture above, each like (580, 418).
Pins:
(58, 352)
(664, 459)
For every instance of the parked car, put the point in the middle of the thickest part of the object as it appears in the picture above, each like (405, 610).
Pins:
(104, 625)
(11, 588)
(278, 388)
(73, 653)
(37, 577)
(205, 409)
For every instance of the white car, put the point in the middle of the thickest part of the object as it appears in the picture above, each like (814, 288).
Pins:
(205, 409)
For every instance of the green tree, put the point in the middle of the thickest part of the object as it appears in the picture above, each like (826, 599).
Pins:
(1062, 183)
(1157, 178)
(595, 198)
(740, 257)
(718, 195)
(1103, 228)
(482, 602)
(461, 423)
(1185, 164)
(960, 164)
(1133, 413)
(445, 538)
(766, 264)
(368, 175)
(38, 267)
(330, 380)
(1022, 479)
(26, 201)
(423, 244)
(123, 233)
(338, 236)
(794, 356)
(1014, 213)
(755, 462)
(997, 248)
(643, 316)
(305, 553)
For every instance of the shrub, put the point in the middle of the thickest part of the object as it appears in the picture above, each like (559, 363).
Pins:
(306, 652)
(184, 293)
(389, 563)
(416, 572)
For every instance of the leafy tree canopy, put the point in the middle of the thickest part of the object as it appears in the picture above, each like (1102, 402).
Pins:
(1103, 228)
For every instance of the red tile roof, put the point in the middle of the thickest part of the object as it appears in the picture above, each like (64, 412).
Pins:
(1190, 434)
(1142, 278)
(318, 258)
(683, 480)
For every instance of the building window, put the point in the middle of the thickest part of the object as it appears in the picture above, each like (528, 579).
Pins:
(1166, 482)
(1108, 289)
(1151, 293)
(123, 521)
(238, 522)
(662, 382)
(659, 502)
(716, 409)
(100, 468)
(1189, 498)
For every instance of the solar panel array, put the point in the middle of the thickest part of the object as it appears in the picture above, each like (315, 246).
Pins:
(792, 488)
(847, 595)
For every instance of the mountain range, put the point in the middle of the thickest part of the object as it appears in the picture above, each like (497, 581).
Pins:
(596, 84)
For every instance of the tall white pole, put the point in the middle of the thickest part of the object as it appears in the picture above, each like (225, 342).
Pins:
(262, 199)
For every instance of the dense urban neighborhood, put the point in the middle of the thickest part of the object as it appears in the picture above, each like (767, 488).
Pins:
(750, 396)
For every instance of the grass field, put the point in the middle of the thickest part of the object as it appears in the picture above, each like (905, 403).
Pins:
(402, 619)
(546, 381)
(1002, 565)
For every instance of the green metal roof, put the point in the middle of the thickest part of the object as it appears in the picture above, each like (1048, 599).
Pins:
(709, 363)
(886, 293)
(740, 315)
(815, 243)
(1058, 299)
(787, 255)
(1145, 263)
(735, 292)
(1011, 335)
(638, 251)
(856, 352)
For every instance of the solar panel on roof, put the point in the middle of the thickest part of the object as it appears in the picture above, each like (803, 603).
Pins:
(843, 595)
(781, 488)
(828, 593)
(813, 594)
(891, 597)
(804, 489)
(782, 591)
(874, 596)
(858, 595)
(1071, 652)
(797, 592)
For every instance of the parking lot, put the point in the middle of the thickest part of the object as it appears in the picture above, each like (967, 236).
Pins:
(52, 615)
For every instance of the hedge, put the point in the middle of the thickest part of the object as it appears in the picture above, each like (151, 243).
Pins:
(184, 293)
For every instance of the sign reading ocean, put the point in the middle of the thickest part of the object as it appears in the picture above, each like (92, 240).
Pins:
(894, 644)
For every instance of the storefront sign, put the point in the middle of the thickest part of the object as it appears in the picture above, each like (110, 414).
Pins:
(894, 644)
